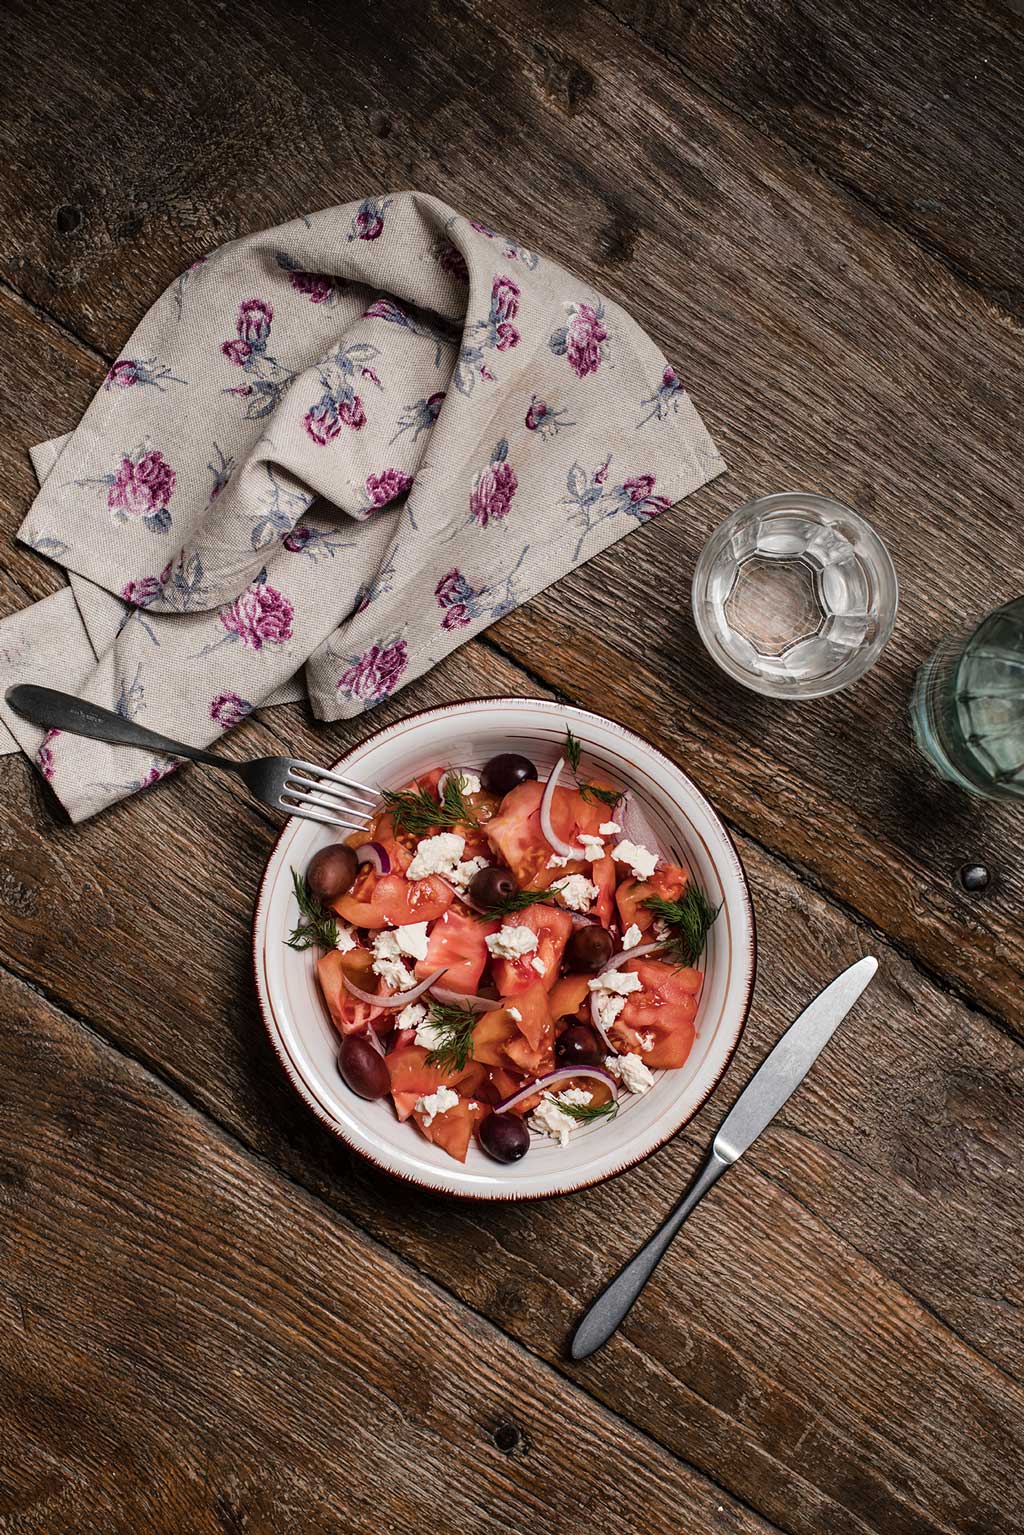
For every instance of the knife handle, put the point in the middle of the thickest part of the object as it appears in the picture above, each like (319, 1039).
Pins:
(611, 1306)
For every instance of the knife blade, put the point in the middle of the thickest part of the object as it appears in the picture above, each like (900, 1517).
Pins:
(771, 1086)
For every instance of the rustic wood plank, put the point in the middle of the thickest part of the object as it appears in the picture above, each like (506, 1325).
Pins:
(195, 1344)
(914, 109)
(818, 343)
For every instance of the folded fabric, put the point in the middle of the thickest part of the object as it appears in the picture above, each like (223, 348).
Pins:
(334, 450)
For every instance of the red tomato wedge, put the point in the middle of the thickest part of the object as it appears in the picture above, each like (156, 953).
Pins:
(410, 1073)
(348, 1015)
(568, 996)
(490, 1036)
(665, 1008)
(391, 900)
(669, 882)
(515, 832)
(453, 1130)
(552, 925)
(604, 872)
(525, 1046)
(457, 941)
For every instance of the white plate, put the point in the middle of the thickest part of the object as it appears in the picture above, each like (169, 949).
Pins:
(686, 830)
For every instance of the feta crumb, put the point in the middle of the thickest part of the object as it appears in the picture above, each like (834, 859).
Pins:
(578, 892)
(514, 1012)
(462, 873)
(593, 848)
(556, 861)
(437, 855)
(345, 938)
(661, 929)
(639, 858)
(412, 939)
(511, 942)
(609, 828)
(631, 937)
(646, 1041)
(411, 1017)
(429, 1036)
(609, 1007)
(433, 1104)
(538, 964)
(631, 1071)
(470, 780)
(622, 982)
(548, 1117)
(388, 962)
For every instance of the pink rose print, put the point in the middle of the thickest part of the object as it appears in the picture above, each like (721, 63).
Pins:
(505, 296)
(508, 336)
(142, 592)
(123, 375)
(142, 489)
(260, 616)
(351, 413)
(297, 539)
(317, 286)
(664, 399)
(496, 332)
(368, 223)
(44, 756)
(639, 487)
(254, 319)
(376, 673)
(482, 229)
(583, 340)
(452, 261)
(455, 595)
(322, 421)
(127, 372)
(387, 486)
(668, 378)
(237, 352)
(228, 709)
(546, 419)
(493, 488)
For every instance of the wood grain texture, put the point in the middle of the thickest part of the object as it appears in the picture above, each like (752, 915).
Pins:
(232, 1356)
(824, 349)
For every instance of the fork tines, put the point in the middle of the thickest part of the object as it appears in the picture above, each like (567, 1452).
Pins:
(319, 795)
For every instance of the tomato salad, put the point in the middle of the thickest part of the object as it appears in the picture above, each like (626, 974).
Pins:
(499, 956)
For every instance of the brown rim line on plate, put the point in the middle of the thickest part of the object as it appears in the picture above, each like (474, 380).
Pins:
(542, 716)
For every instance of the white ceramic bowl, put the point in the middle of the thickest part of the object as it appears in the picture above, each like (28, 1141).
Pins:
(686, 829)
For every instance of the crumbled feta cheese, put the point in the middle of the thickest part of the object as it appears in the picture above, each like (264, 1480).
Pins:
(462, 873)
(661, 929)
(646, 1041)
(593, 848)
(631, 937)
(437, 855)
(609, 828)
(556, 861)
(470, 781)
(511, 942)
(345, 938)
(639, 858)
(631, 1071)
(433, 1104)
(411, 1016)
(429, 1035)
(388, 962)
(514, 1012)
(538, 964)
(412, 939)
(578, 892)
(548, 1117)
(622, 982)
(609, 1006)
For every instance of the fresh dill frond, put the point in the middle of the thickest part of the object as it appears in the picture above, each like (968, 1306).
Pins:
(519, 900)
(589, 791)
(586, 1113)
(688, 921)
(318, 927)
(455, 1027)
(418, 812)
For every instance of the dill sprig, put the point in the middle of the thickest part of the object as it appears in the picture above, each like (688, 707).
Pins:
(317, 927)
(688, 921)
(519, 900)
(417, 811)
(455, 1027)
(586, 1113)
(589, 791)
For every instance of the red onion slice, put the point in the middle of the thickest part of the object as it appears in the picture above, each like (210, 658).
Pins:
(375, 1039)
(375, 854)
(583, 919)
(464, 999)
(400, 998)
(560, 1074)
(563, 849)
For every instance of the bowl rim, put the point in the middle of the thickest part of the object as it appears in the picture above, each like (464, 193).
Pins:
(510, 1197)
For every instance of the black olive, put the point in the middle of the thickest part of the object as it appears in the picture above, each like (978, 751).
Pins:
(331, 872)
(589, 949)
(579, 1046)
(362, 1069)
(505, 772)
(504, 1137)
(491, 886)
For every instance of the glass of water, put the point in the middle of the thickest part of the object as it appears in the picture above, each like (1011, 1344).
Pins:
(795, 595)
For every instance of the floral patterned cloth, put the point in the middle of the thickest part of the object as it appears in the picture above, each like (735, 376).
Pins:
(331, 453)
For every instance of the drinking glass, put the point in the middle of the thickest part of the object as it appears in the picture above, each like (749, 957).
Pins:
(794, 595)
(967, 709)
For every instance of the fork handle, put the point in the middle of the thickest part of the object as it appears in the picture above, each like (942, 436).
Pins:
(63, 711)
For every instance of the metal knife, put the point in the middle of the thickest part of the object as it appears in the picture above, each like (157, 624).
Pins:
(775, 1080)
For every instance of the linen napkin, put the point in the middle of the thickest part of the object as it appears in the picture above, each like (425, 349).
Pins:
(329, 454)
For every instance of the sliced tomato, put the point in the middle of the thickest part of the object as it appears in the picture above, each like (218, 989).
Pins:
(457, 941)
(349, 1015)
(665, 1009)
(453, 1130)
(491, 1034)
(568, 996)
(390, 900)
(604, 872)
(409, 1073)
(552, 925)
(530, 1060)
(526, 1047)
(515, 832)
(503, 1083)
(534, 1021)
(668, 881)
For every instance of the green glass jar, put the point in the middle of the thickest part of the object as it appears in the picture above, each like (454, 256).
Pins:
(967, 708)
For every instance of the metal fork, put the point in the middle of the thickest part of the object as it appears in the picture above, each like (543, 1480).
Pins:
(284, 783)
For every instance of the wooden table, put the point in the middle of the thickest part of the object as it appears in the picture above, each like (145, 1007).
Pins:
(215, 1319)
